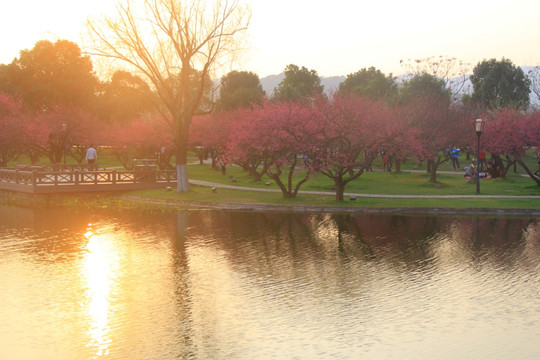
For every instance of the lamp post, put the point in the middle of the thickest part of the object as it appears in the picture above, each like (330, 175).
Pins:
(478, 127)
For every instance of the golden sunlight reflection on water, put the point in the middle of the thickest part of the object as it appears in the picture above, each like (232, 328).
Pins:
(99, 273)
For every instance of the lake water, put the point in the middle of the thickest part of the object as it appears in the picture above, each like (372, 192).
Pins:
(240, 285)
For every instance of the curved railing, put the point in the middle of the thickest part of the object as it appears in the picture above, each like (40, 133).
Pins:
(79, 180)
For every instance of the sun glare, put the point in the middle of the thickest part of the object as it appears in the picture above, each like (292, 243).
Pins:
(99, 273)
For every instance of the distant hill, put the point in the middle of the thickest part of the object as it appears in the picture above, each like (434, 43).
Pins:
(269, 83)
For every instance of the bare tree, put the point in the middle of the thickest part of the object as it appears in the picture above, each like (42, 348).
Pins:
(534, 76)
(175, 44)
(452, 71)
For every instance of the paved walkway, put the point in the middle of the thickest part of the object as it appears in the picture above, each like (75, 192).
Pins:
(360, 195)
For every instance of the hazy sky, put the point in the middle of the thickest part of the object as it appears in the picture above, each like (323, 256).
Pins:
(333, 37)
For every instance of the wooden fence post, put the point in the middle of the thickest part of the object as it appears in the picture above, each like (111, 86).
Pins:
(34, 179)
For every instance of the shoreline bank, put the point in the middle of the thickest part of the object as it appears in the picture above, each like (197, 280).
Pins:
(126, 201)
(190, 205)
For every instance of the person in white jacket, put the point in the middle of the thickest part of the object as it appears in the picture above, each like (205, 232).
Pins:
(91, 158)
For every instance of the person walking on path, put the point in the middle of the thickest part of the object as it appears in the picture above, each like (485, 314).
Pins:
(455, 158)
(91, 157)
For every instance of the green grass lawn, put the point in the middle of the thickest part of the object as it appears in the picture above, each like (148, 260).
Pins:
(227, 196)
(404, 183)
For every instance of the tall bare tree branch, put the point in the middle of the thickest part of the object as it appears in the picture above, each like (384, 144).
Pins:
(175, 44)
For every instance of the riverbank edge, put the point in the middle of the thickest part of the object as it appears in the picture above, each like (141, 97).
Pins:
(125, 201)
(190, 205)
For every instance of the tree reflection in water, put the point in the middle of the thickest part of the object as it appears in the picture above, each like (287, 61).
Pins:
(217, 284)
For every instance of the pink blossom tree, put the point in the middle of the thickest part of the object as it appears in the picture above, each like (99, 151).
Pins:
(141, 138)
(71, 130)
(251, 144)
(36, 134)
(396, 135)
(198, 132)
(347, 140)
(291, 124)
(511, 134)
(434, 124)
(11, 131)
(211, 133)
(269, 139)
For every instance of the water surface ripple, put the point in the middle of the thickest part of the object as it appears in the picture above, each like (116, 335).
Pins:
(234, 285)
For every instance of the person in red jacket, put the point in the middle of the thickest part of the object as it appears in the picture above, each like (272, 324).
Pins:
(481, 160)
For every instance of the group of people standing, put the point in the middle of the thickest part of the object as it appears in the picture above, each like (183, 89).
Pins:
(477, 164)
(494, 168)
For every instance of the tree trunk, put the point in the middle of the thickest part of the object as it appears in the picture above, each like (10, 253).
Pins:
(433, 174)
(434, 166)
(505, 168)
(398, 164)
(182, 184)
(182, 176)
(340, 189)
(214, 162)
(284, 191)
(529, 172)
(287, 190)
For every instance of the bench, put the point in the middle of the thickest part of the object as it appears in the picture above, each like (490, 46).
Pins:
(145, 169)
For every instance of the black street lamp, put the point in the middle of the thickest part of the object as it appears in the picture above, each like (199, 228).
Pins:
(478, 127)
